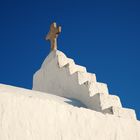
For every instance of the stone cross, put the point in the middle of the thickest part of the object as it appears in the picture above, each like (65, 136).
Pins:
(53, 34)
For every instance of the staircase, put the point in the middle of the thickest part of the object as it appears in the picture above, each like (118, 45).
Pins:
(60, 75)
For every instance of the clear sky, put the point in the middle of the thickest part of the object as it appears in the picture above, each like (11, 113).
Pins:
(102, 35)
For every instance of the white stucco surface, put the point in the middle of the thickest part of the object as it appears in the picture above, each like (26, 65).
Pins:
(60, 75)
(32, 115)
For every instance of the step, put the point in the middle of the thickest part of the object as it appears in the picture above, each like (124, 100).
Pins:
(96, 87)
(81, 68)
(84, 77)
(92, 77)
(102, 87)
(107, 101)
(62, 59)
(100, 102)
(121, 112)
(91, 87)
(72, 66)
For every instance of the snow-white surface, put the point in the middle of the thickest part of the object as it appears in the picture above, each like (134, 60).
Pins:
(60, 75)
(32, 115)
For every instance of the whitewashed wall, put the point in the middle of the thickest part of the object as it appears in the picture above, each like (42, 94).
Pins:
(31, 115)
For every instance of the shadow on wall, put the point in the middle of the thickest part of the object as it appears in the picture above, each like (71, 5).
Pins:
(75, 102)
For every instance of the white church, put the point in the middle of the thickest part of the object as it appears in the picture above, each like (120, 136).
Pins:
(65, 103)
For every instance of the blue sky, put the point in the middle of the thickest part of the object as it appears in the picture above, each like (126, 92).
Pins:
(102, 35)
